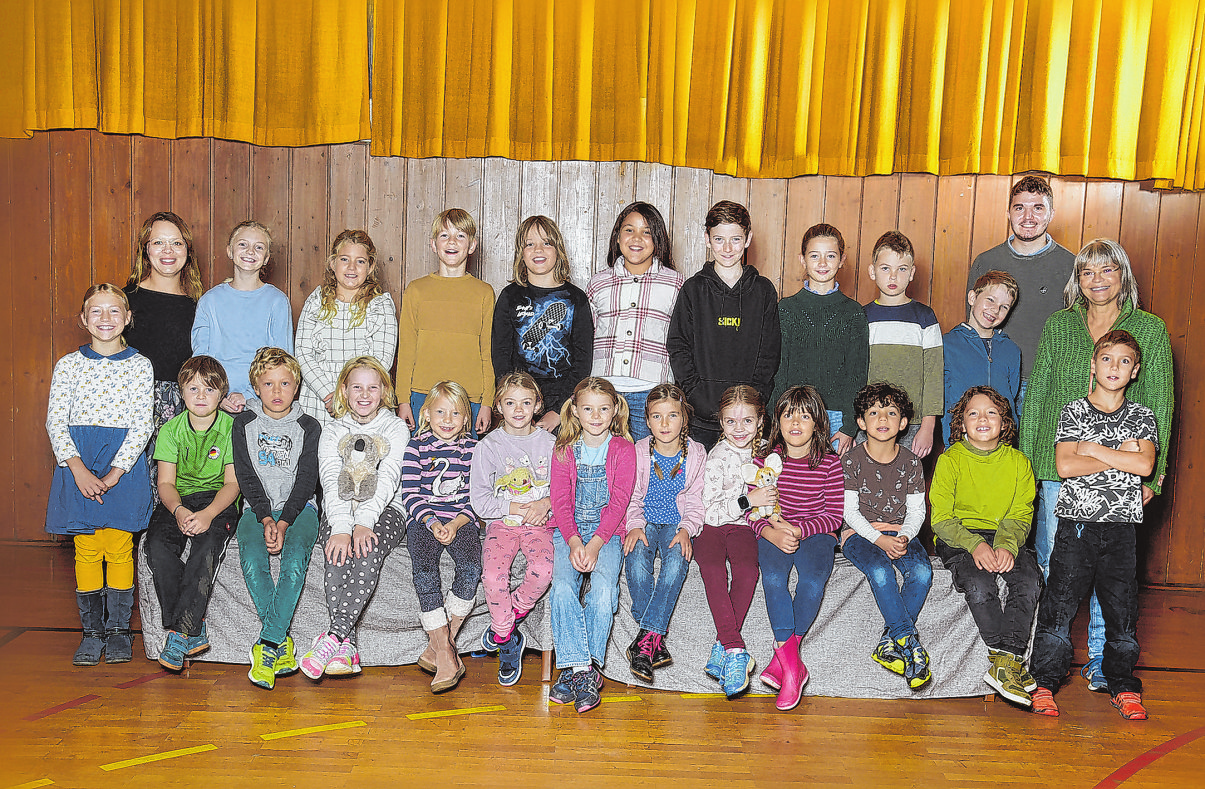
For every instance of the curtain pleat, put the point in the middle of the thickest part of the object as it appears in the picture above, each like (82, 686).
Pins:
(759, 88)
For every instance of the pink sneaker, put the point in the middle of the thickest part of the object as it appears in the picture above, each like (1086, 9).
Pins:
(345, 661)
(314, 662)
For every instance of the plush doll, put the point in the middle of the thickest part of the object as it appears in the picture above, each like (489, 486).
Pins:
(519, 486)
(759, 477)
(361, 455)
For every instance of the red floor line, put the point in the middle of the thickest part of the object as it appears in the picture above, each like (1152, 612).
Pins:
(1127, 770)
(140, 680)
(64, 706)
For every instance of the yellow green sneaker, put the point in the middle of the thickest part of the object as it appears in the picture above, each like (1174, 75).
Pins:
(286, 658)
(263, 658)
(888, 655)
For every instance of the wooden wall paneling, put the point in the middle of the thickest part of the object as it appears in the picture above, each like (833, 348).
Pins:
(33, 355)
(9, 149)
(955, 213)
(654, 184)
(989, 215)
(918, 221)
(805, 207)
(309, 231)
(1170, 299)
(231, 205)
(1139, 221)
(692, 198)
(112, 206)
(152, 178)
(726, 187)
(463, 189)
(1102, 211)
(576, 216)
(385, 206)
(500, 216)
(1068, 223)
(269, 188)
(880, 213)
(538, 189)
(843, 210)
(349, 199)
(616, 188)
(71, 235)
(424, 201)
(192, 200)
(768, 212)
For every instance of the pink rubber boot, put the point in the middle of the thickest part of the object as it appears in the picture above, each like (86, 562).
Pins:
(771, 675)
(793, 674)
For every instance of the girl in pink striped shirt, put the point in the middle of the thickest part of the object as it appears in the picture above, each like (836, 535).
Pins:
(811, 492)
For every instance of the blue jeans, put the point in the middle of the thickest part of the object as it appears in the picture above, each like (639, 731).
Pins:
(581, 629)
(416, 405)
(835, 420)
(654, 598)
(276, 601)
(900, 607)
(636, 417)
(813, 559)
(1021, 398)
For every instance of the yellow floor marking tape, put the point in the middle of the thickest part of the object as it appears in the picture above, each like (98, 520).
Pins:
(276, 735)
(605, 699)
(722, 696)
(34, 784)
(158, 757)
(446, 713)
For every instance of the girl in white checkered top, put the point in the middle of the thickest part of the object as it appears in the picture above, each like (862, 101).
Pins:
(632, 302)
(347, 316)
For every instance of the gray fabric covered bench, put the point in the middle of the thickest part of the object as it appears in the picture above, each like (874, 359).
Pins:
(836, 650)
(389, 633)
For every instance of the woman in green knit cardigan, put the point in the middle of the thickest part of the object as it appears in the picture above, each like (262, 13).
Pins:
(1101, 295)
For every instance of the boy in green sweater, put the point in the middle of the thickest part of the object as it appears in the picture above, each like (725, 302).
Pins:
(982, 508)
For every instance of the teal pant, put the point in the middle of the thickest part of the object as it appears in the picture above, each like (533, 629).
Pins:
(275, 601)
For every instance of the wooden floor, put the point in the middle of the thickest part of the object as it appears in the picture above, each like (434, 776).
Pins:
(133, 726)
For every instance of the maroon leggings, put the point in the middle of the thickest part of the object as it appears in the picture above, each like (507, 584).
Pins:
(714, 548)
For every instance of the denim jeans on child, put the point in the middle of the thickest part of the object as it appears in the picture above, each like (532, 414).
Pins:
(1006, 626)
(636, 414)
(580, 630)
(899, 606)
(1087, 556)
(814, 561)
(275, 601)
(654, 596)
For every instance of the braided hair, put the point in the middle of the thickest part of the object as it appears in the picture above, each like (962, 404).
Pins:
(674, 394)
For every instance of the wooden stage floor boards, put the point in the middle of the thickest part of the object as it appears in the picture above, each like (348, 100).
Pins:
(103, 727)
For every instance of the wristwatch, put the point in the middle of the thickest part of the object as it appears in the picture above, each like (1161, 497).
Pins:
(743, 502)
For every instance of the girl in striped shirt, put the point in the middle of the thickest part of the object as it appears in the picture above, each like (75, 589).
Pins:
(811, 491)
(435, 485)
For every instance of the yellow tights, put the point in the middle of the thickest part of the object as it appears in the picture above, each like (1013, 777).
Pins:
(113, 547)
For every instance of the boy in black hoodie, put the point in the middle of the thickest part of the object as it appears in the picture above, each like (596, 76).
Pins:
(724, 329)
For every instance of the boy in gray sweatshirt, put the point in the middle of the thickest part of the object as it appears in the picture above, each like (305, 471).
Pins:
(276, 462)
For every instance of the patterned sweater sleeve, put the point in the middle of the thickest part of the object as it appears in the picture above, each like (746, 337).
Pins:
(309, 351)
(381, 318)
(722, 486)
(139, 407)
(58, 414)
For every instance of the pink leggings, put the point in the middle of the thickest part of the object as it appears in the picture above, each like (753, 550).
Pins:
(501, 544)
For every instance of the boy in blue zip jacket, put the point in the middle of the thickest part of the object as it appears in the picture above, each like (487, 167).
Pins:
(978, 352)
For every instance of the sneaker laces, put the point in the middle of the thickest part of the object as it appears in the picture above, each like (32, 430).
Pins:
(267, 656)
(650, 643)
(327, 647)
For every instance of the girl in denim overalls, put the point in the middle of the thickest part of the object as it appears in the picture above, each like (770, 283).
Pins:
(593, 473)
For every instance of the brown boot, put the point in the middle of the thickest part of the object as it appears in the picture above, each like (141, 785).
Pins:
(454, 623)
(448, 668)
(426, 661)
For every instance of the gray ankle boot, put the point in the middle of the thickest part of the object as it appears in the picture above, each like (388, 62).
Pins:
(92, 617)
(119, 643)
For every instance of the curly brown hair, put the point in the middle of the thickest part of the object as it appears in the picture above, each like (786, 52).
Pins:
(1008, 424)
(368, 291)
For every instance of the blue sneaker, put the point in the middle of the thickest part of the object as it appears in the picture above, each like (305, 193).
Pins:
(738, 670)
(510, 661)
(488, 644)
(715, 663)
(562, 691)
(1095, 676)
(587, 685)
(171, 657)
(198, 643)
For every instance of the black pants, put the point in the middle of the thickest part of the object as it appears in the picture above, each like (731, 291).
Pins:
(1089, 557)
(184, 586)
(1003, 626)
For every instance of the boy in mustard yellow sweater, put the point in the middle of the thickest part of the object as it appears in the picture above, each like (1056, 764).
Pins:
(445, 324)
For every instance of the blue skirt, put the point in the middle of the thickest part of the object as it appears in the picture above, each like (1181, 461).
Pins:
(127, 506)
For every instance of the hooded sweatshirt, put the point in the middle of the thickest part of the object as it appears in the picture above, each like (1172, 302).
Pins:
(276, 460)
(721, 336)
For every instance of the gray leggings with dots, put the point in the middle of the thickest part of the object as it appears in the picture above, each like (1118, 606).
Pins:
(349, 587)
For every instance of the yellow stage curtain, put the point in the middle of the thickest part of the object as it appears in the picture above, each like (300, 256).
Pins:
(777, 88)
(269, 72)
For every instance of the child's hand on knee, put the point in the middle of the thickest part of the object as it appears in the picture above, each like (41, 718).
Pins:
(985, 558)
(631, 538)
(1004, 560)
(363, 540)
(338, 548)
(682, 540)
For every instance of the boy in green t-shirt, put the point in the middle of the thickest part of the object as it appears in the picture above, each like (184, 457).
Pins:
(197, 494)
